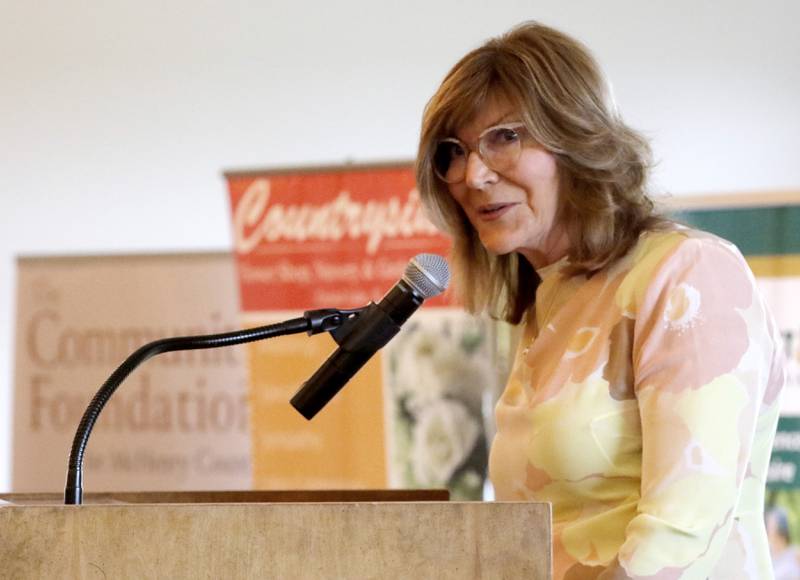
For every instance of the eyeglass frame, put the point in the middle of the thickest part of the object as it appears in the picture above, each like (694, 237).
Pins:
(514, 126)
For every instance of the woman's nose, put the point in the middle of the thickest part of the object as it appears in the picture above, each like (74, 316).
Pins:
(478, 174)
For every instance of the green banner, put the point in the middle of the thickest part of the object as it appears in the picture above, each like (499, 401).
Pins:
(757, 231)
(784, 466)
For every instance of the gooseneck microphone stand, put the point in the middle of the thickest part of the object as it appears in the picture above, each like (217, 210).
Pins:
(312, 322)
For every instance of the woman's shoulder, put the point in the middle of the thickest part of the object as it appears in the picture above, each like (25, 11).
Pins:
(677, 242)
(664, 257)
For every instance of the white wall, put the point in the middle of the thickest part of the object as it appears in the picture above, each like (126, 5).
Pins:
(117, 118)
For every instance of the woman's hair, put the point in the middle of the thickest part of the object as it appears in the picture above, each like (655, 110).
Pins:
(562, 97)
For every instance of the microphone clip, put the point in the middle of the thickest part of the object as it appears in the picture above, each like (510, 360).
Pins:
(373, 332)
(337, 322)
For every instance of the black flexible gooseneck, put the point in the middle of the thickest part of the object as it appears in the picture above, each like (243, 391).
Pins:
(312, 321)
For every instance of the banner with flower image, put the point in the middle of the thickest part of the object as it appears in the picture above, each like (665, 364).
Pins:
(443, 384)
(339, 237)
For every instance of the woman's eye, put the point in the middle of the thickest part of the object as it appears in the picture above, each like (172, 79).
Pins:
(448, 154)
(455, 151)
(502, 136)
(449, 151)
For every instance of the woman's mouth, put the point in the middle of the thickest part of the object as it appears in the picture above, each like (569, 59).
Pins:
(493, 211)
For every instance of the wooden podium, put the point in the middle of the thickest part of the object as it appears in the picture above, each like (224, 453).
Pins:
(260, 534)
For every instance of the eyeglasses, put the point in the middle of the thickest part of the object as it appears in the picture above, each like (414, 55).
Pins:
(498, 146)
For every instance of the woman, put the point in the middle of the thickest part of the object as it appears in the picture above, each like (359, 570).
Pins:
(643, 400)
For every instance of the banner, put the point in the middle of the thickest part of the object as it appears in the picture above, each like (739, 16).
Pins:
(340, 238)
(178, 422)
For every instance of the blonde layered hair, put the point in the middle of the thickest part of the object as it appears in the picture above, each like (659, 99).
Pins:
(562, 97)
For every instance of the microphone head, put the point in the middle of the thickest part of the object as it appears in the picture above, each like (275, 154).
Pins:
(428, 274)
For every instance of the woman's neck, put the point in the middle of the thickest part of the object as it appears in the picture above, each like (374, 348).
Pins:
(557, 247)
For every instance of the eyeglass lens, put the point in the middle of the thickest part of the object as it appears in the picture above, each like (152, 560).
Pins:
(499, 147)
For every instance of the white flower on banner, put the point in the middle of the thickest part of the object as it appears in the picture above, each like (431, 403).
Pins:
(416, 366)
(443, 437)
(429, 368)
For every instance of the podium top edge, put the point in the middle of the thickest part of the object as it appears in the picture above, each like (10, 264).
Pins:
(230, 497)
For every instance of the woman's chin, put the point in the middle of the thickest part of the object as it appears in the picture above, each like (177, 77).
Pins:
(498, 249)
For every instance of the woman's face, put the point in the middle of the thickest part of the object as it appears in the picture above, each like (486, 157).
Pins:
(516, 210)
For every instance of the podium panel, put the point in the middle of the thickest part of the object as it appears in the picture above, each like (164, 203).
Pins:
(112, 538)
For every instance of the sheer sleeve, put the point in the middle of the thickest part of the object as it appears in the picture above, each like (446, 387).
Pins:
(702, 357)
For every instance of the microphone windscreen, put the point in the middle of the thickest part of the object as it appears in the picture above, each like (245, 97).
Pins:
(428, 274)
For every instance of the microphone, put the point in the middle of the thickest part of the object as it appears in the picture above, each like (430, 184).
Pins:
(425, 276)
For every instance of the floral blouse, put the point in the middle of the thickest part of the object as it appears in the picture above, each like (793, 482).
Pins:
(643, 404)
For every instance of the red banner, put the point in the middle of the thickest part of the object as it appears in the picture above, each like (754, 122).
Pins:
(335, 238)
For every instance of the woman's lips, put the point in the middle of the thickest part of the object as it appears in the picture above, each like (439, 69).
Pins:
(493, 211)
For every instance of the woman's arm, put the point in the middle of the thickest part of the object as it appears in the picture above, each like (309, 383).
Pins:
(703, 359)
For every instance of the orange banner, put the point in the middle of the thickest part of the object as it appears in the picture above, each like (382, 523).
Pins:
(327, 238)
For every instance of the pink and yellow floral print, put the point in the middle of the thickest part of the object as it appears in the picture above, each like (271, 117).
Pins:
(643, 404)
